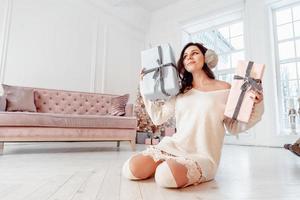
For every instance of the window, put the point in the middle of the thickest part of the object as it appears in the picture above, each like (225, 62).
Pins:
(228, 42)
(287, 45)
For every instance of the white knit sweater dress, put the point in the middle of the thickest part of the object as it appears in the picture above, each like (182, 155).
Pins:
(200, 124)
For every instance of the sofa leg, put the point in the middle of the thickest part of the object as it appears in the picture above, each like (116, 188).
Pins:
(118, 144)
(1, 147)
(132, 144)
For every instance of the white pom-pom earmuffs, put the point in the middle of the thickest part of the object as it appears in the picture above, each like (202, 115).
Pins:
(211, 58)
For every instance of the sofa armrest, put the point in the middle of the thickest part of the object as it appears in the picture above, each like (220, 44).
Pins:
(129, 110)
(2, 103)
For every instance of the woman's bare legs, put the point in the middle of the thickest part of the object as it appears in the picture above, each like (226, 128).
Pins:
(173, 173)
(139, 167)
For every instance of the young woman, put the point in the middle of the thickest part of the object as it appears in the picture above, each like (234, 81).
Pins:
(191, 156)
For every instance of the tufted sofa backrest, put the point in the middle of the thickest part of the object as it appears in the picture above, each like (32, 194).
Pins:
(69, 102)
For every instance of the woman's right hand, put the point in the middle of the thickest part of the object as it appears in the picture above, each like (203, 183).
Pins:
(142, 74)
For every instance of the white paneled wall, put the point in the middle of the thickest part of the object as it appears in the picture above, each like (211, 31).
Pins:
(4, 19)
(121, 68)
(50, 45)
(81, 45)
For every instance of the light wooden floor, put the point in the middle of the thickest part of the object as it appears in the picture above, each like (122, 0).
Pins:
(90, 171)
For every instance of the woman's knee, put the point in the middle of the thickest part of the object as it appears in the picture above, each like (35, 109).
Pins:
(139, 167)
(171, 174)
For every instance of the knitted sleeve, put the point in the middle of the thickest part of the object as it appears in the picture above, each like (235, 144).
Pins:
(159, 112)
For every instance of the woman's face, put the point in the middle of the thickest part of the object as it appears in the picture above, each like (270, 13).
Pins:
(193, 59)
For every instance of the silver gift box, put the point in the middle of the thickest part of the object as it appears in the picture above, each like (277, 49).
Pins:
(161, 79)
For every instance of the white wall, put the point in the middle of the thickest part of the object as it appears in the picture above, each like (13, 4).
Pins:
(82, 45)
(166, 26)
(3, 15)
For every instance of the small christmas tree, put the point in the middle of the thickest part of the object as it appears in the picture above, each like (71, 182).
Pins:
(144, 122)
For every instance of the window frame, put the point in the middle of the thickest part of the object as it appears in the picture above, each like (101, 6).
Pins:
(230, 70)
(283, 130)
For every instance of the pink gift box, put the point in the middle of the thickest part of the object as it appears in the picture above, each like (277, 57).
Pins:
(154, 141)
(148, 141)
(239, 104)
(169, 131)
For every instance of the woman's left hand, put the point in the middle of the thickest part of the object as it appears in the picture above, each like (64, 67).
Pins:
(256, 96)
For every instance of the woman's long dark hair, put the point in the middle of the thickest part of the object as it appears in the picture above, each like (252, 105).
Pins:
(187, 77)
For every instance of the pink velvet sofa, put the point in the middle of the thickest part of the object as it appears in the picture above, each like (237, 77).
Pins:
(68, 116)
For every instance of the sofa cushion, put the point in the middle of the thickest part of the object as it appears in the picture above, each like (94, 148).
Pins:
(19, 98)
(118, 105)
(2, 103)
(28, 119)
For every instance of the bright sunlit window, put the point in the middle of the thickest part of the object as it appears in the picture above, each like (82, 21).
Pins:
(228, 41)
(287, 45)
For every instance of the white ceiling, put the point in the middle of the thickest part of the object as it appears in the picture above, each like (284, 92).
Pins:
(150, 5)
